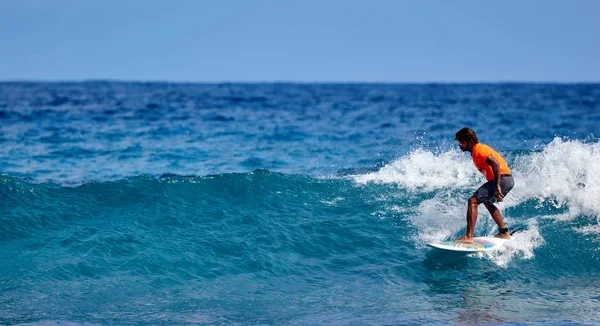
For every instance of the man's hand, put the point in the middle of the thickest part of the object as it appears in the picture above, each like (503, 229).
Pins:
(499, 196)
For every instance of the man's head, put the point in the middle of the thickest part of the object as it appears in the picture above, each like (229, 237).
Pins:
(466, 138)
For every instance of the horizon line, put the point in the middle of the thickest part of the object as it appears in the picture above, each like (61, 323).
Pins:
(166, 81)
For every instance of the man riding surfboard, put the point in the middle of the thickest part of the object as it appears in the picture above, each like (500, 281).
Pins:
(499, 182)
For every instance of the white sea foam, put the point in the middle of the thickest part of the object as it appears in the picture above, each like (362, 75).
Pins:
(439, 218)
(521, 246)
(425, 170)
(565, 172)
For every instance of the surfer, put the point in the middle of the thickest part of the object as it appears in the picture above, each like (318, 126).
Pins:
(499, 182)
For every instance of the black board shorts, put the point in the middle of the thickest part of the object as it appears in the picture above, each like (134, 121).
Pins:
(487, 192)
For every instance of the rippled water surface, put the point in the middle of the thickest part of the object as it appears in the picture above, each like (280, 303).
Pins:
(149, 203)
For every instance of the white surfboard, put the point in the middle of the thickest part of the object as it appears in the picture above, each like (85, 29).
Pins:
(479, 244)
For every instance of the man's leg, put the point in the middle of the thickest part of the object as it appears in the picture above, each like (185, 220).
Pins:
(495, 212)
(471, 219)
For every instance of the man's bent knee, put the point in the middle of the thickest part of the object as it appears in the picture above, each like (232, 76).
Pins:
(473, 201)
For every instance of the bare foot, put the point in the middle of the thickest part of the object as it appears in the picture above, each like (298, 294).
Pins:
(464, 239)
(502, 235)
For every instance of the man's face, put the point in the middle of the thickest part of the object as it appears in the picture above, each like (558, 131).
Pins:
(464, 145)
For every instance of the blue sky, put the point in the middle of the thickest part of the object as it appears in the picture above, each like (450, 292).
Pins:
(303, 41)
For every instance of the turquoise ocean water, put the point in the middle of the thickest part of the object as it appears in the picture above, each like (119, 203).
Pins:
(297, 204)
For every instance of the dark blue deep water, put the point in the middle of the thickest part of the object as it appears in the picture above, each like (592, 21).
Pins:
(296, 204)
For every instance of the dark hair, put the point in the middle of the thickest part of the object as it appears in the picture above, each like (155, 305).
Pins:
(467, 134)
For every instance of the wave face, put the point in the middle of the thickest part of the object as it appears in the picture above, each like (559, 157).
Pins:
(292, 204)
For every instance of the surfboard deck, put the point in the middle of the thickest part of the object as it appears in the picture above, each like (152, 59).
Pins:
(479, 244)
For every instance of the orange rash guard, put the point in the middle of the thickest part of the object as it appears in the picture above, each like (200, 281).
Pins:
(480, 153)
